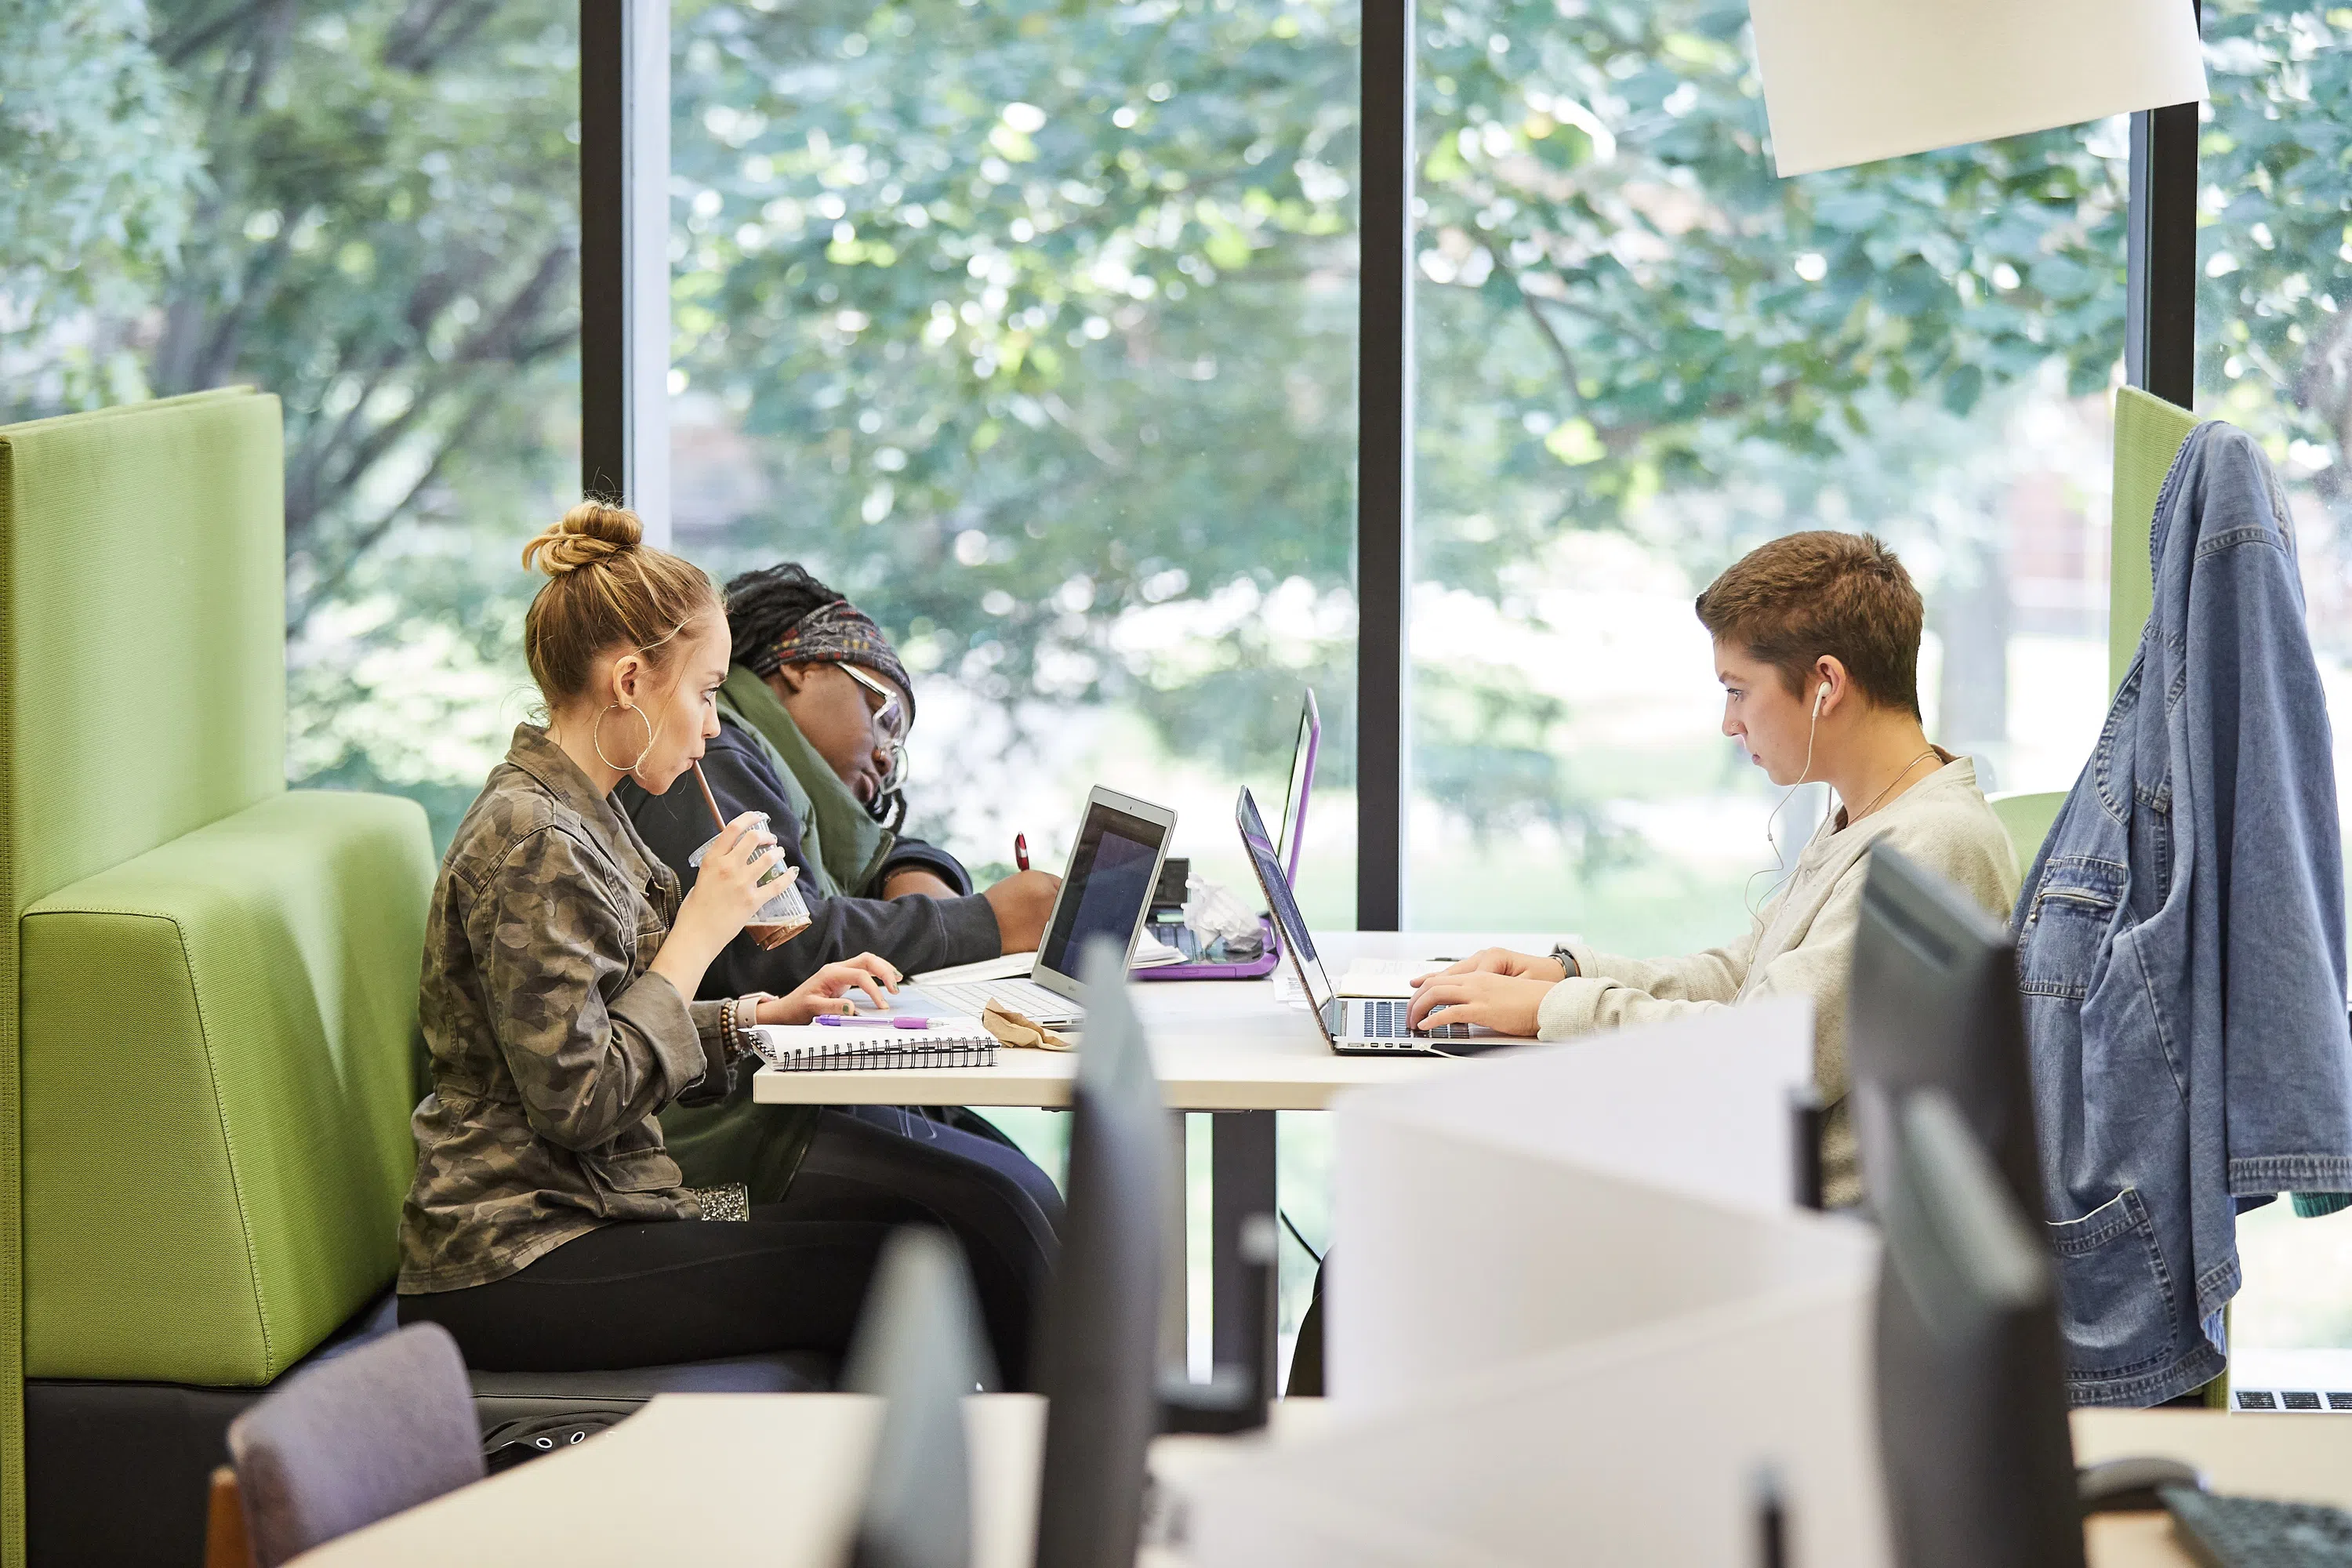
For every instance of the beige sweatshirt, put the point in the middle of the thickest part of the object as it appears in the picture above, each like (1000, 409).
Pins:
(1803, 944)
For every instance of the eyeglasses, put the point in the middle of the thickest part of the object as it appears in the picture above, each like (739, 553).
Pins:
(889, 721)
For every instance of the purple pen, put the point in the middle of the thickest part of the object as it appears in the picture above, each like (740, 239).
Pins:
(903, 1022)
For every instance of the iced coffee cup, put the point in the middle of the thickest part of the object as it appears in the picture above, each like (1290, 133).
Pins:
(785, 914)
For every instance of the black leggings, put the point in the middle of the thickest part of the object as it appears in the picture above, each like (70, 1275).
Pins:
(651, 1293)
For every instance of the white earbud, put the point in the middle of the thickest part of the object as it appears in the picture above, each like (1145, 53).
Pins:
(1820, 696)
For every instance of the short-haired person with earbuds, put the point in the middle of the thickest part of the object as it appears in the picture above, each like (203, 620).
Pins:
(1817, 645)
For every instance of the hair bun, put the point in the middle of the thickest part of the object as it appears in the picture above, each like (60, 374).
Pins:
(592, 532)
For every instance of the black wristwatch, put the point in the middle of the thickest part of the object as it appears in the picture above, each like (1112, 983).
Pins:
(1567, 959)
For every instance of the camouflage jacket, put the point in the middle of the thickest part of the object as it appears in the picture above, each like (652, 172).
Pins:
(552, 1045)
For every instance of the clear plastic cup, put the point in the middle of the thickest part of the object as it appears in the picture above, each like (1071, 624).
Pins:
(785, 914)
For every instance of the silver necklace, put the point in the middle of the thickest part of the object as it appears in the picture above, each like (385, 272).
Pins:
(1897, 779)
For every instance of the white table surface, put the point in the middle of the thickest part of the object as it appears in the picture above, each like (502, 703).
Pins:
(774, 1480)
(721, 1479)
(1218, 1044)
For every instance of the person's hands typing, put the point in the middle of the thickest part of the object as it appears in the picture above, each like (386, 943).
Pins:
(1502, 961)
(1506, 1004)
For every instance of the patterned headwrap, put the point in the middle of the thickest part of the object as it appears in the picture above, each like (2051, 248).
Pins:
(841, 633)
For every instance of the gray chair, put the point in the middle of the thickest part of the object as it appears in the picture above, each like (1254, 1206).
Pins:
(380, 1428)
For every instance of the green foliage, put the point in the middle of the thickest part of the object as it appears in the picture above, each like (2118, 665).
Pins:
(97, 176)
(1042, 318)
(391, 246)
(1623, 303)
(2274, 241)
(1045, 318)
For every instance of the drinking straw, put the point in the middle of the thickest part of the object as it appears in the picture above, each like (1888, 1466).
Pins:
(709, 799)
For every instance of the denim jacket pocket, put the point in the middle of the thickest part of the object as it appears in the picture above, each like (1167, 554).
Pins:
(2068, 920)
(2115, 1295)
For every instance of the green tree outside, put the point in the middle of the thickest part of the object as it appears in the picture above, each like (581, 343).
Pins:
(1043, 317)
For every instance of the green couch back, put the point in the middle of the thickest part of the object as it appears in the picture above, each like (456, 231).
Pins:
(2148, 433)
(144, 557)
(208, 992)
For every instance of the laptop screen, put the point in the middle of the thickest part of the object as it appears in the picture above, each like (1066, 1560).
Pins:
(1277, 897)
(1110, 883)
(1302, 780)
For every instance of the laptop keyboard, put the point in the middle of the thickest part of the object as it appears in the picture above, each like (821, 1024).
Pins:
(968, 997)
(1386, 1021)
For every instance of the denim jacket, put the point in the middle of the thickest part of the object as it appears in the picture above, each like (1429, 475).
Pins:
(2180, 945)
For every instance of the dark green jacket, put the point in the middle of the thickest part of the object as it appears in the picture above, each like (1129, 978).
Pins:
(760, 762)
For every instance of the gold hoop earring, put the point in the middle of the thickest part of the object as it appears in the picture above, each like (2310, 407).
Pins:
(597, 737)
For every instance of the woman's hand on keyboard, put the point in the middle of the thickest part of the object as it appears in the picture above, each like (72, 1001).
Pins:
(1503, 961)
(1506, 1004)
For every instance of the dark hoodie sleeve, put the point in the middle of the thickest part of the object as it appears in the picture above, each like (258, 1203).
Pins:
(914, 854)
(915, 934)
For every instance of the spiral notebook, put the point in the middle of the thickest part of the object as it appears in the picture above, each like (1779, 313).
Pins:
(815, 1048)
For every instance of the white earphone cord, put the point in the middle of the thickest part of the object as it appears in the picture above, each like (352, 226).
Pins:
(1779, 860)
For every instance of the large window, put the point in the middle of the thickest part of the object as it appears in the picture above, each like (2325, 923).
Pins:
(367, 209)
(2274, 357)
(1033, 330)
(1639, 355)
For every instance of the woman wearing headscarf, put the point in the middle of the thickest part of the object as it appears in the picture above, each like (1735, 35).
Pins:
(813, 722)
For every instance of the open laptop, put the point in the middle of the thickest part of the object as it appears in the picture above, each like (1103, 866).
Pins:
(1106, 891)
(1304, 750)
(1351, 1025)
(1301, 783)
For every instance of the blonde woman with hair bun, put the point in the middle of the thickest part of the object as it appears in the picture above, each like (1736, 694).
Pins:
(547, 1226)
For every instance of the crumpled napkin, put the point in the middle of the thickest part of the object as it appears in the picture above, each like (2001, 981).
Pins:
(1012, 1028)
(1215, 915)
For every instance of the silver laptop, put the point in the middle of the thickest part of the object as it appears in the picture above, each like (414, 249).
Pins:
(1106, 891)
(1351, 1025)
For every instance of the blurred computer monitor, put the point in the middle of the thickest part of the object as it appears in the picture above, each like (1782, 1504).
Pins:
(1934, 1004)
(1098, 1339)
(919, 1348)
(1978, 1462)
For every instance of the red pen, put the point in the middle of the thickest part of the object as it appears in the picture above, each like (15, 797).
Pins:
(1021, 850)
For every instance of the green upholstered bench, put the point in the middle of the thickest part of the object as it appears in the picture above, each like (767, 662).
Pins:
(208, 1042)
(208, 999)
(215, 1165)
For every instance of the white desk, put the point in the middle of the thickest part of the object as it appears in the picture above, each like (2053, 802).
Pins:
(775, 1480)
(1218, 1044)
(719, 1480)
(1223, 1045)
